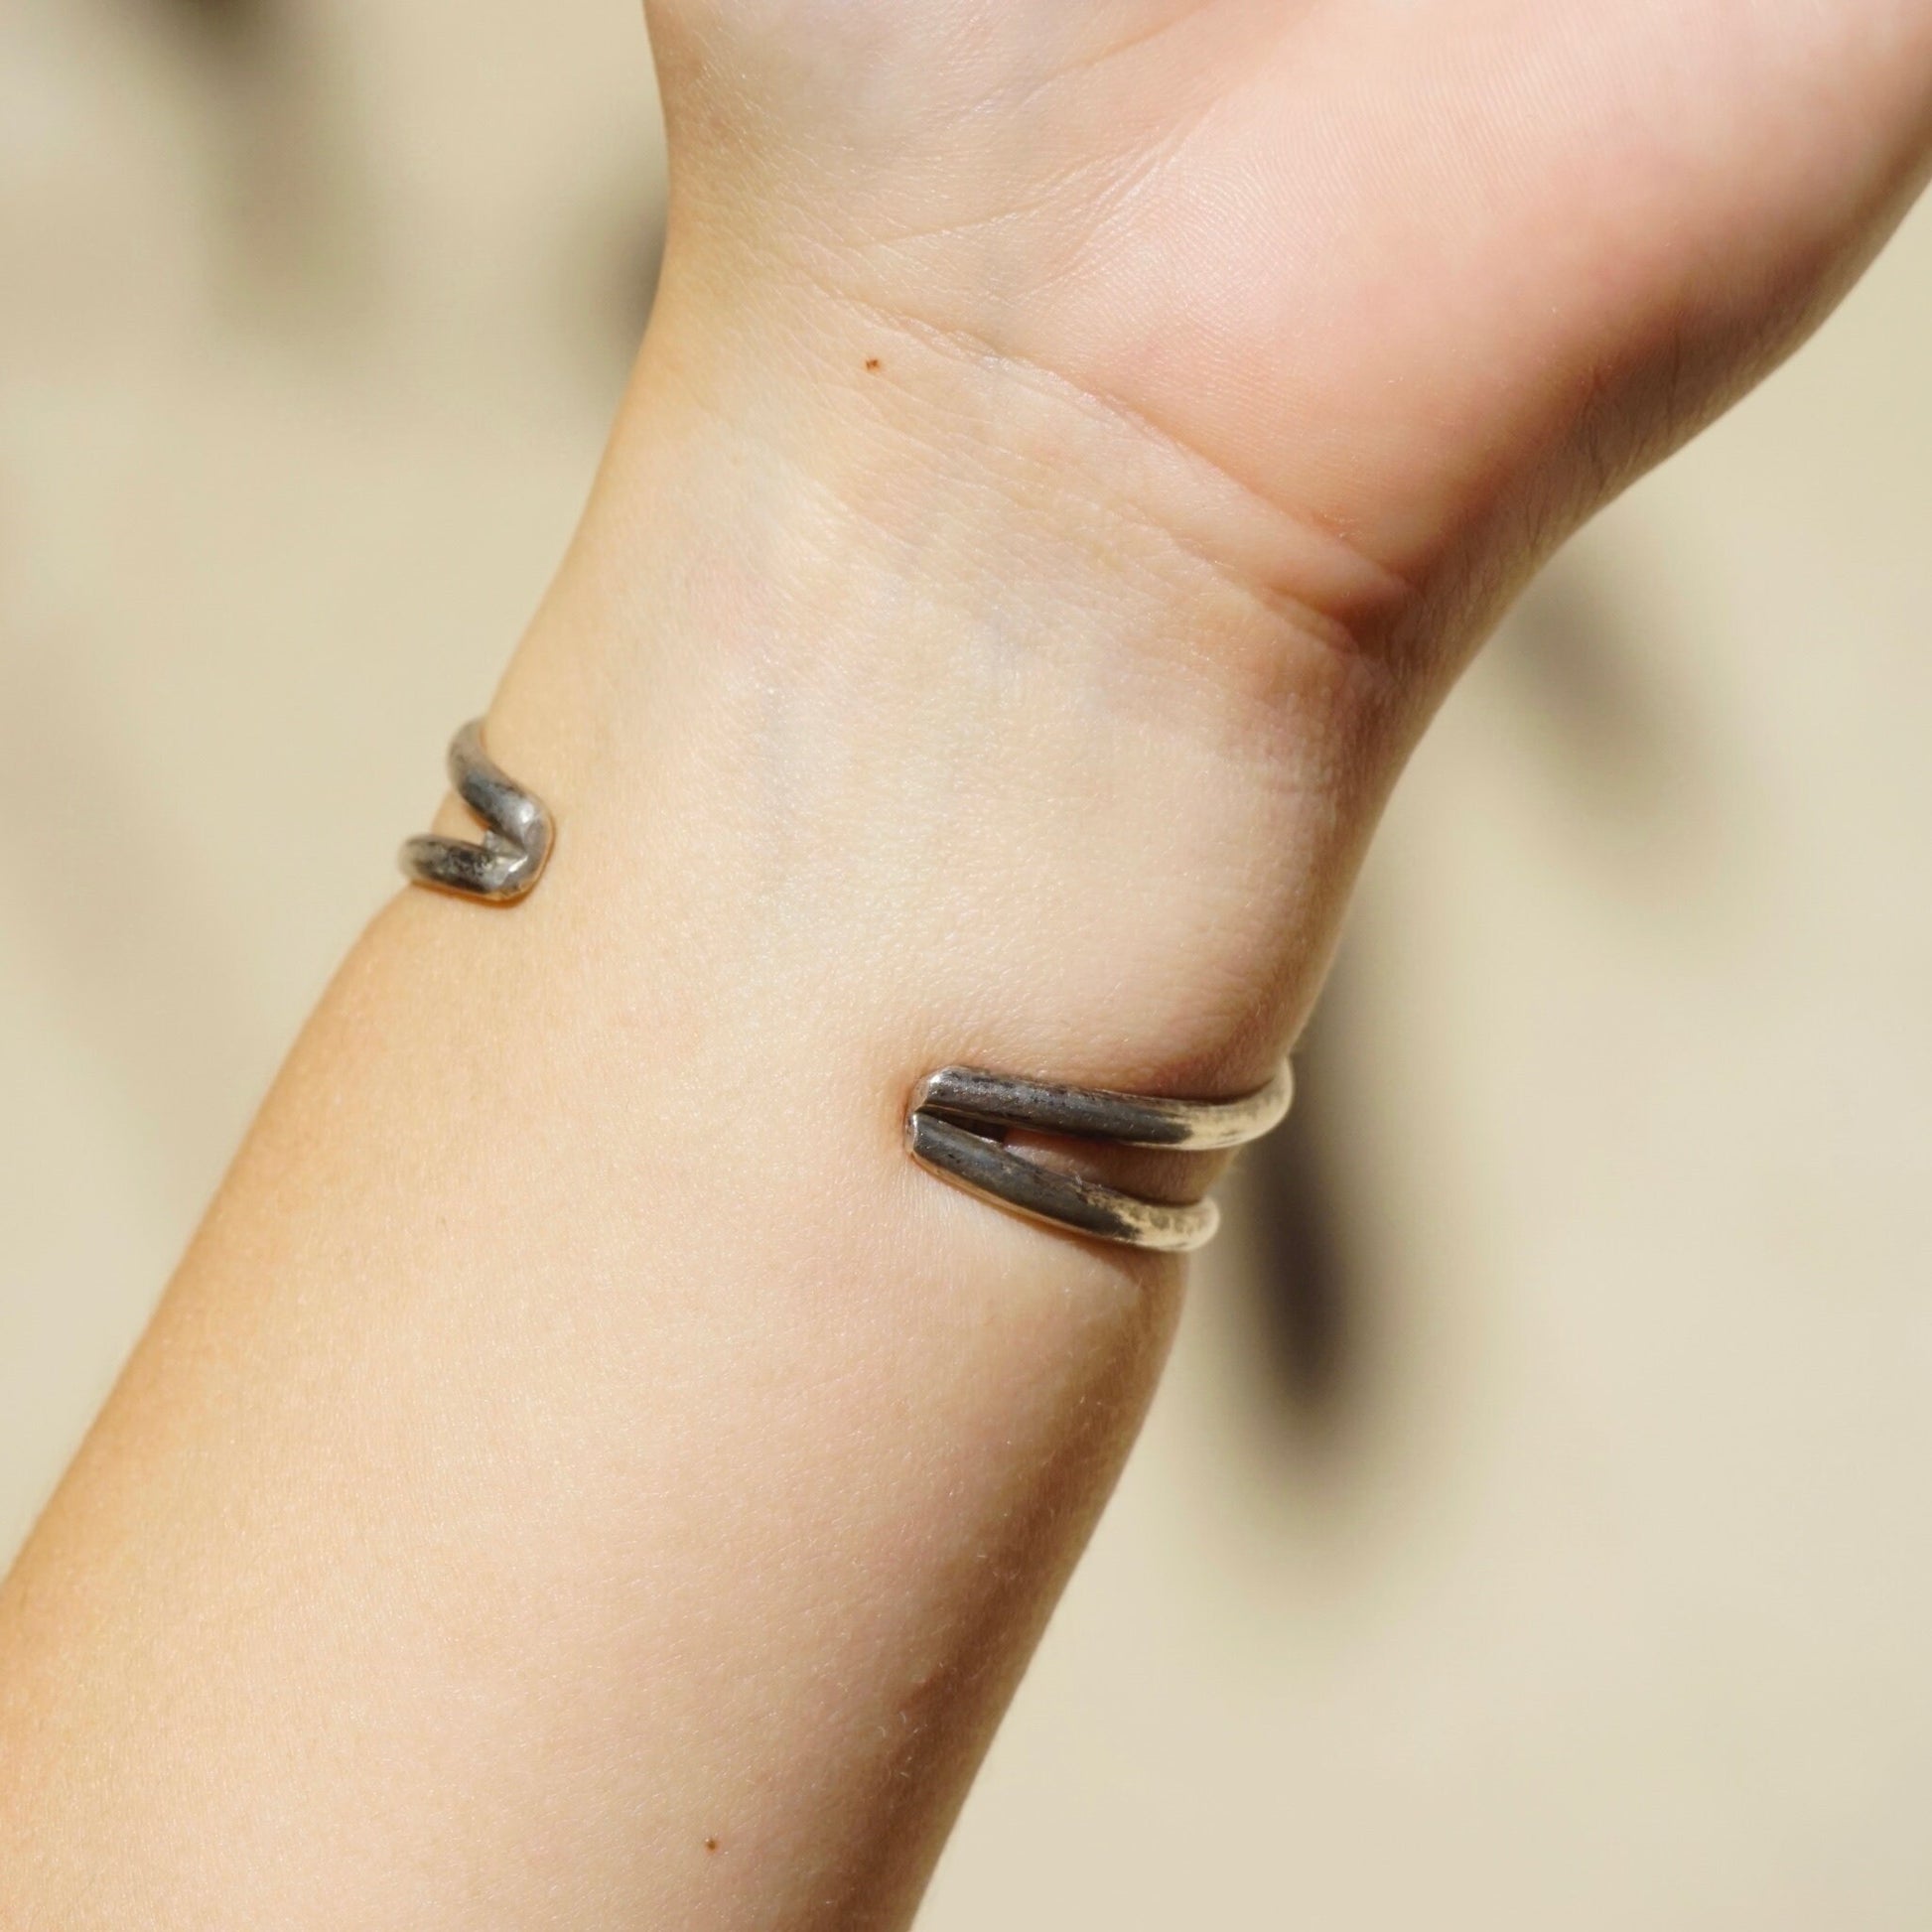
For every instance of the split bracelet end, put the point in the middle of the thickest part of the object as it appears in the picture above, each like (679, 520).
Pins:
(959, 1118)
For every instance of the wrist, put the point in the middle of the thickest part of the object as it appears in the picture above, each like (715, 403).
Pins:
(935, 682)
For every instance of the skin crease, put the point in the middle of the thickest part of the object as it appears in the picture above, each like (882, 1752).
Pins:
(580, 1474)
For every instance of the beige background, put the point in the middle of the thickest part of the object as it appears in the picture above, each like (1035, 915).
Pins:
(1536, 1529)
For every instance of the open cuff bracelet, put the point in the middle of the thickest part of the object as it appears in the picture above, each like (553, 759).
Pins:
(959, 1117)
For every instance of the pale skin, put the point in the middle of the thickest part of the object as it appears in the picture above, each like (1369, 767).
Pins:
(582, 1474)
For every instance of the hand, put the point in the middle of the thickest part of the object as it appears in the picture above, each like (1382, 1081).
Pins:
(1428, 279)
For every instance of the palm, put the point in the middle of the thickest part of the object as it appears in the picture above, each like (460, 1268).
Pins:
(1414, 273)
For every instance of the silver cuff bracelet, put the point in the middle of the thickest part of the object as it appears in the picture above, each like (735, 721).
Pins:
(957, 1125)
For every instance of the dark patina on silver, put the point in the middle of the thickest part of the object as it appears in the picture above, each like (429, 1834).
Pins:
(508, 861)
(959, 1118)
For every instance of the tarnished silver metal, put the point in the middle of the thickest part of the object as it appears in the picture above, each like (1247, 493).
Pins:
(509, 859)
(959, 1118)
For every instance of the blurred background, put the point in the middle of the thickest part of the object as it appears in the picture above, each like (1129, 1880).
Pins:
(1535, 1527)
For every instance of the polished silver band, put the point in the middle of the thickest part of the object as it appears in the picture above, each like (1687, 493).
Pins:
(959, 1118)
(509, 857)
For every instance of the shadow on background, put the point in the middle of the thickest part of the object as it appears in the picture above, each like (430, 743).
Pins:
(1301, 1212)
(1613, 753)
(290, 179)
(1614, 744)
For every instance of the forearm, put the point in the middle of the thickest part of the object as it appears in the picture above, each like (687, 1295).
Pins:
(583, 1473)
